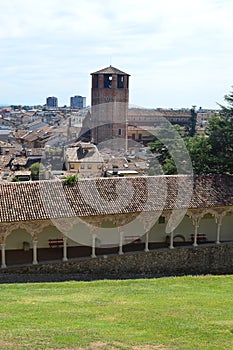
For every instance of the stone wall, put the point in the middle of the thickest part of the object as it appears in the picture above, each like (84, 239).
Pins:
(216, 259)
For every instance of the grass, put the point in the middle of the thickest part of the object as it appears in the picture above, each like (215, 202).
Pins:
(169, 313)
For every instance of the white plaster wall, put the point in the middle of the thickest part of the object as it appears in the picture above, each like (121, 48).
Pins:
(185, 228)
(208, 226)
(157, 233)
(52, 232)
(16, 238)
(227, 228)
(49, 232)
(81, 235)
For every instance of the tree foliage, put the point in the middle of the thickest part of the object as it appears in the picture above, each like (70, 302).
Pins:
(15, 179)
(199, 152)
(37, 171)
(70, 179)
(192, 122)
(227, 111)
(220, 131)
(209, 153)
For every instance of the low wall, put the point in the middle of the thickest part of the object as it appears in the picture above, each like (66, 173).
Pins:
(215, 259)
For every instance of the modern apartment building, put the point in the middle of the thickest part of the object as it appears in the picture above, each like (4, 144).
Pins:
(78, 102)
(51, 101)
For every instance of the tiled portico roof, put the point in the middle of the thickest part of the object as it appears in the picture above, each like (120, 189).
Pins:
(41, 200)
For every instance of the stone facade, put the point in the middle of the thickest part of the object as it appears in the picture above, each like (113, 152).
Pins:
(186, 261)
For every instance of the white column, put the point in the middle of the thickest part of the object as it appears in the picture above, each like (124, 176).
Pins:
(171, 240)
(147, 242)
(121, 233)
(3, 246)
(35, 262)
(64, 249)
(93, 255)
(219, 223)
(195, 235)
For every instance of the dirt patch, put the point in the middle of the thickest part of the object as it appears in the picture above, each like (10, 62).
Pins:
(104, 346)
(8, 345)
(149, 347)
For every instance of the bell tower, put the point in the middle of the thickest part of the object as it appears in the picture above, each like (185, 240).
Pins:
(109, 104)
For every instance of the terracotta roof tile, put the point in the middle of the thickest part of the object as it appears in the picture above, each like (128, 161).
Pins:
(110, 70)
(50, 199)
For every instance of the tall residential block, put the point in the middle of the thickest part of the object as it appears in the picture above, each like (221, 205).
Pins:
(51, 101)
(78, 102)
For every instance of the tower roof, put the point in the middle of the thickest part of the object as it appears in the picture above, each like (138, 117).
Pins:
(110, 70)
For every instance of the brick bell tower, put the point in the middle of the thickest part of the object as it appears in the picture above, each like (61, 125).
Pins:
(109, 105)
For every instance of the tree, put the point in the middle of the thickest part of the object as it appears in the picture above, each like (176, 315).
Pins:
(227, 111)
(192, 122)
(209, 153)
(220, 131)
(164, 158)
(37, 171)
(199, 151)
(169, 167)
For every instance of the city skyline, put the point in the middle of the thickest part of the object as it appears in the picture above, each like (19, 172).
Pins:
(178, 54)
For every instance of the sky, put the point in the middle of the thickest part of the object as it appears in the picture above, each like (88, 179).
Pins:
(178, 53)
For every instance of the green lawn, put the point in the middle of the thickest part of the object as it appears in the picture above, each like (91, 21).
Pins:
(167, 313)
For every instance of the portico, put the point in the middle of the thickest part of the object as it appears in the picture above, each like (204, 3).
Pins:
(27, 227)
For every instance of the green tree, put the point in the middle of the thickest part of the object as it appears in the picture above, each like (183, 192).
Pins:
(220, 131)
(163, 157)
(15, 179)
(37, 171)
(227, 111)
(199, 151)
(192, 122)
(169, 167)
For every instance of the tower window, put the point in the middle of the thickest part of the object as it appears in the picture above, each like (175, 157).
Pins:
(95, 81)
(120, 81)
(127, 82)
(107, 81)
(119, 132)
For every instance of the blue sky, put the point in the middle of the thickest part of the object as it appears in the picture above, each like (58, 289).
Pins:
(178, 53)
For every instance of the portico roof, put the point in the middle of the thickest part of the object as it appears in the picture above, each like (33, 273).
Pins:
(41, 200)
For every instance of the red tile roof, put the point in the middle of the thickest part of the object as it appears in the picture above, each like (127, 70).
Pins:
(110, 70)
(50, 199)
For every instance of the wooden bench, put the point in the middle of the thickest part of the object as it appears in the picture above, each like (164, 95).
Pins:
(201, 237)
(56, 242)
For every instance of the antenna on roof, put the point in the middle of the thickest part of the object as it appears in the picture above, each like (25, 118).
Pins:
(110, 59)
